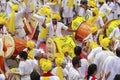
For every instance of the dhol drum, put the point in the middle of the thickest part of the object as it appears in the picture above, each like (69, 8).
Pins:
(13, 45)
(83, 29)
(60, 45)
(110, 26)
(27, 27)
(2, 67)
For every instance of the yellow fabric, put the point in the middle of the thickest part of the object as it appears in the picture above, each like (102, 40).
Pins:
(46, 66)
(11, 23)
(67, 46)
(30, 44)
(47, 19)
(100, 37)
(15, 7)
(113, 24)
(94, 45)
(94, 29)
(32, 6)
(60, 73)
(101, 0)
(59, 61)
(58, 55)
(56, 16)
(2, 21)
(43, 33)
(25, 1)
(45, 78)
(105, 43)
(91, 3)
(70, 3)
(42, 60)
(31, 54)
(76, 22)
(92, 20)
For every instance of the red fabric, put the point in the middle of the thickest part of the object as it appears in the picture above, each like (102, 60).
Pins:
(47, 74)
(83, 55)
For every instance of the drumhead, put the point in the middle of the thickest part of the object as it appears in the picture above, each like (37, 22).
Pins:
(9, 44)
(50, 46)
(1, 47)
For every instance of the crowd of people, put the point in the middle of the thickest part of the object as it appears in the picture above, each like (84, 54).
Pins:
(96, 57)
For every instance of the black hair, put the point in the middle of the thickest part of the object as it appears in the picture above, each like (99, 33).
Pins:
(77, 50)
(91, 69)
(34, 75)
(117, 77)
(75, 61)
(23, 54)
(118, 51)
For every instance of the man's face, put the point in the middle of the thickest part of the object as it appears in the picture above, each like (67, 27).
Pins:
(119, 26)
(54, 21)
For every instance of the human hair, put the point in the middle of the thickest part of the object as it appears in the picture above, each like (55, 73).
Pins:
(35, 75)
(23, 54)
(75, 61)
(91, 69)
(77, 50)
(117, 77)
(118, 52)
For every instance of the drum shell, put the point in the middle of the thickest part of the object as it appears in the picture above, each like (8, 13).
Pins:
(14, 46)
(2, 65)
(82, 31)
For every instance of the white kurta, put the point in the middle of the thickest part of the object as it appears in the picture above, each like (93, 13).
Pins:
(93, 53)
(104, 9)
(99, 22)
(83, 69)
(64, 72)
(3, 31)
(58, 31)
(91, 38)
(112, 6)
(51, 78)
(115, 33)
(19, 25)
(67, 12)
(100, 58)
(74, 74)
(107, 65)
(3, 6)
(2, 77)
(26, 67)
(115, 67)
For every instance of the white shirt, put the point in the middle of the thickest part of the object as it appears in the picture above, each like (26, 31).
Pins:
(74, 74)
(100, 58)
(104, 9)
(115, 33)
(64, 72)
(2, 77)
(91, 38)
(115, 67)
(40, 19)
(3, 31)
(107, 65)
(93, 53)
(57, 30)
(26, 68)
(99, 22)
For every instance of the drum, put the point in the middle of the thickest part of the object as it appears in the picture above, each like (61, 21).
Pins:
(83, 29)
(14, 46)
(60, 45)
(110, 26)
(27, 27)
